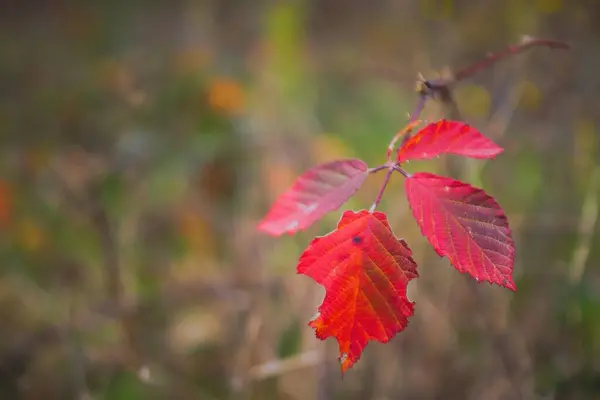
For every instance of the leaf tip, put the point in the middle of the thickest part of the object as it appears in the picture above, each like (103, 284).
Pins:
(509, 283)
(345, 363)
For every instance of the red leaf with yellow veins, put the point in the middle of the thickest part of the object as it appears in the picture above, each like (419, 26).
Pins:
(445, 137)
(465, 224)
(365, 270)
(319, 190)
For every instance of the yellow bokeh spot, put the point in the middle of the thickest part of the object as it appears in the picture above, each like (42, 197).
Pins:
(225, 95)
(29, 236)
(548, 6)
(531, 96)
(473, 100)
(326, 148)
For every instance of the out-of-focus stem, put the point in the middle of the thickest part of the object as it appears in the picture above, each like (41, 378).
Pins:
(386, 180)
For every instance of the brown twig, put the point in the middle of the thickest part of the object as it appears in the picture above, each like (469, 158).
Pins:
(386, 180)
(587, 225)
(402, 132)
(527, 42)
(442, 88)
(110, 253)
(279, 367)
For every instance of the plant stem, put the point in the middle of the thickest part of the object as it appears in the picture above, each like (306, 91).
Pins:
(414, 116)
(431, 88)
(377, 169)
(402, 171)
(526, 43)
(386, 180)
(403, 132)
(442, 87)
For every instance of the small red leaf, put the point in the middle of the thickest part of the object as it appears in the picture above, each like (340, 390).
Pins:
(319, 190)
(365, 270)
(465, 224)
(448, 137)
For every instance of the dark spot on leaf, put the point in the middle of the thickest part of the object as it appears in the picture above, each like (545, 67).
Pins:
(504, 281)
(357, 240)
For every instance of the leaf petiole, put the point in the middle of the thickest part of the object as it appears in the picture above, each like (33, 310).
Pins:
(406, 174)
(403, 132)
(378, 168)
(386, 180)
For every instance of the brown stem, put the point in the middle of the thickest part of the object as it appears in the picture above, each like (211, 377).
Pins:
(527, 42)
(378, 168)
(402, 171)
(441, 88)
(424, 94)
(386, 180)
(110, 254)
(402, 132)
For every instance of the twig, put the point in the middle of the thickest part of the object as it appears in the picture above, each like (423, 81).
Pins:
(414, 116)
(404, 131)
(527, 42)
(441, 88)
(587, 224)
(386, 180)
(279, 367)
(110, 254)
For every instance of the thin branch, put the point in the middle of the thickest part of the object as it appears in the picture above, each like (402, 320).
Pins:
(402, 171)
(416, 113)
(403, 132)
(377, 169)
(587, 225)
(386, 180)
(441, 88)
(279, 367)
(527, 42)
(110, 253)
(424, 94)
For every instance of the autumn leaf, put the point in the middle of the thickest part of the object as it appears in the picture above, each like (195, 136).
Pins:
(465, 224)
(365, 270)
(319, 190)
(444, 137)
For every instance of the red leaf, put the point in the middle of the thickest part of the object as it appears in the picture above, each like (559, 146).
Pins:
(465, 224)
(365, 270)
(319, 190)
(448, 137)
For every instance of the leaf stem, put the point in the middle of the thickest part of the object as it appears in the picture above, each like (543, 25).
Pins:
(378, 168)
(424, 94)
(402, 171)
(386, 180)
(526, 43)
(402, 132)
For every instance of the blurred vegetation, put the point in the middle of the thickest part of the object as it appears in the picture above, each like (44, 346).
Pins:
(142, 141)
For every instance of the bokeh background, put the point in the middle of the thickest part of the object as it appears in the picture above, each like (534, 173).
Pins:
(142, 141)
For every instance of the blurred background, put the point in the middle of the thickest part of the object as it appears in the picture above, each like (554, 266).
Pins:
(142, 141)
